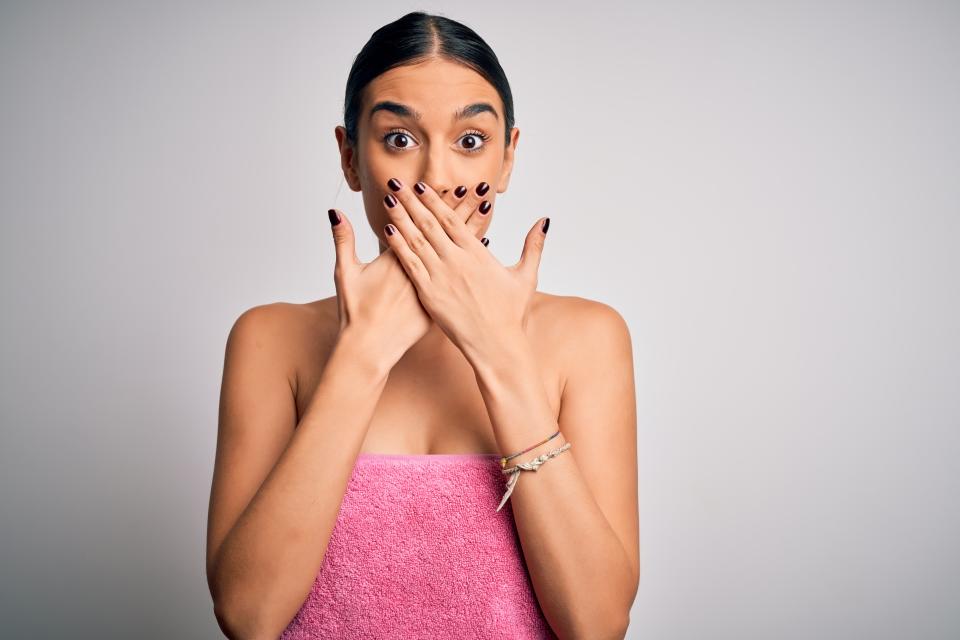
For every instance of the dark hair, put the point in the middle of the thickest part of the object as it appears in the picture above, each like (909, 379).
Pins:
(414, 38)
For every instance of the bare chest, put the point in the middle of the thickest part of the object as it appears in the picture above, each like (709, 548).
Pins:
(433, 408)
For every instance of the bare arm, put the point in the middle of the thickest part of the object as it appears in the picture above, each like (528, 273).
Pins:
(277, 484)
(576, 516)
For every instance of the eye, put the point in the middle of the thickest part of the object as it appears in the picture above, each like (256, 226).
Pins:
(474, 140)
(404, 139)
(473, 136)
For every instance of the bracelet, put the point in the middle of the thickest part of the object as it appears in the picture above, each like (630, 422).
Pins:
(532, 465)
(503, 461)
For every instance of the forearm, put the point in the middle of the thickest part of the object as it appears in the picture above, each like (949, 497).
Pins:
(578, 566)
(269, 560)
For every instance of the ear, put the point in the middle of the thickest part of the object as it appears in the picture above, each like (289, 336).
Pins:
(348, 158)
(508, 155)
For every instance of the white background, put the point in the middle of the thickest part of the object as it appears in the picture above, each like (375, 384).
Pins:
(767, 192)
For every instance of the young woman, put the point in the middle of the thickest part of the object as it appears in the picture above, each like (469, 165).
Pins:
(368, 440)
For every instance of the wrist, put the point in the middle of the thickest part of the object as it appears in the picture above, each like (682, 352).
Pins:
(359, 347)
(501, 356)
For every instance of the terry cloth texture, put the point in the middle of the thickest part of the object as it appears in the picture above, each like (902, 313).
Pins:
(419, 551)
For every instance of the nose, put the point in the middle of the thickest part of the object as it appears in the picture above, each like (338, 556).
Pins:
(436, 173)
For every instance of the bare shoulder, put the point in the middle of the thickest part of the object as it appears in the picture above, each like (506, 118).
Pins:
(289, 333)
(569, 319)
(561, 310)
(578, 329)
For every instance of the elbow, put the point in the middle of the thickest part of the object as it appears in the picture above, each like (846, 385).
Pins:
(232, 626)
(610, 624)
(607, 628)
(243, 624)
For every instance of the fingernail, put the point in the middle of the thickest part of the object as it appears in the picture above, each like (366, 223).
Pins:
(389, 229)
(390, 200)
(485, 241)
(334, 217)
(394, 184)
(419, 187)
(482, 188)
(460, 191)
(546, 225)
(485, 206)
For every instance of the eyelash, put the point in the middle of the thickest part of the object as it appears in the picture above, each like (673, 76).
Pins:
(472, 132)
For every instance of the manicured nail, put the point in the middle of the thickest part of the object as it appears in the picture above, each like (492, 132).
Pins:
(389, 229)
(482, 188)
(460, 191)
(485, 241)
(546, 225)
(390, 200)
(334, 217)
(394, 184)
(419, 187)
(485, 206)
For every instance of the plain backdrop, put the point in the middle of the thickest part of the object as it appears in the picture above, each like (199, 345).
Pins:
(766, 191)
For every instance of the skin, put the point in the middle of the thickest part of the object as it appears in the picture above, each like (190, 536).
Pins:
(488, 376)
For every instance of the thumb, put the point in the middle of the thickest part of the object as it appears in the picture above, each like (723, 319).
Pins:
(533, 249)
(343, 239)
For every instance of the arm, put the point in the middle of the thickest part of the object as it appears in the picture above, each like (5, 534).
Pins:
(278, 485)
(576, 515)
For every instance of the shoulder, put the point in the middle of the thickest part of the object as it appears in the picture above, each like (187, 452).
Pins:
(284, 322)
(580, 322)
(586, 335)
(283, 333)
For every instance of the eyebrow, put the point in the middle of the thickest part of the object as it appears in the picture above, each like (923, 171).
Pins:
(404, 111)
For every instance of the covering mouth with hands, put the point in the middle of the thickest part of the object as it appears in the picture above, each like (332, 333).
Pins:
(470, 201)
(474, 299)
(377, 298)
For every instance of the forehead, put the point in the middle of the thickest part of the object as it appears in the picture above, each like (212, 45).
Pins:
(435, 88)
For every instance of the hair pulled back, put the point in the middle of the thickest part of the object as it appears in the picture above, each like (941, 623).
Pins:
(417, 37)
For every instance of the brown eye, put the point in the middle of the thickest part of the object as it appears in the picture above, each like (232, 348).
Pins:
(474, 141)
(402, 140)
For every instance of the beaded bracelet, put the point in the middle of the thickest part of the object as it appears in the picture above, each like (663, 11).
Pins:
(503, 461)
(532, 465)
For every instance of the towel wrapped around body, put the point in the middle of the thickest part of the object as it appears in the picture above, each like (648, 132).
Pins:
(419, 551)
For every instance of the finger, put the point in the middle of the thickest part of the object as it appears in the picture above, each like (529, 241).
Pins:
(407, 258)
(479, 218)
(472, 198)
(412, 235)
(533, 249)
(344, 240)
(448, 218)
(453, 197)
(424, 220)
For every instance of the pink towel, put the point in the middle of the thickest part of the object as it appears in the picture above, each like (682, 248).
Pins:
(419, 551)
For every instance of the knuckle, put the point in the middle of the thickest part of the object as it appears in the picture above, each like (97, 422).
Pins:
(429, 225)
(448, 219)
(418, 242)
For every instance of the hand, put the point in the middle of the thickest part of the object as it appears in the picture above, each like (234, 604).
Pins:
(377, 299)
(474, 299)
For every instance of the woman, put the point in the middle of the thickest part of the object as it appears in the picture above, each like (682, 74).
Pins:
(365, 439)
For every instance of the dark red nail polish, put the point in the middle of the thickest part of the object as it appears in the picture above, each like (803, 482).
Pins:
(419, 187)
(460, 191)
(394, 184)
(546, 225)
(485, 206)
(482, 188)
(334, 217)
(485, 241)
(389, 229)
(390, 200)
